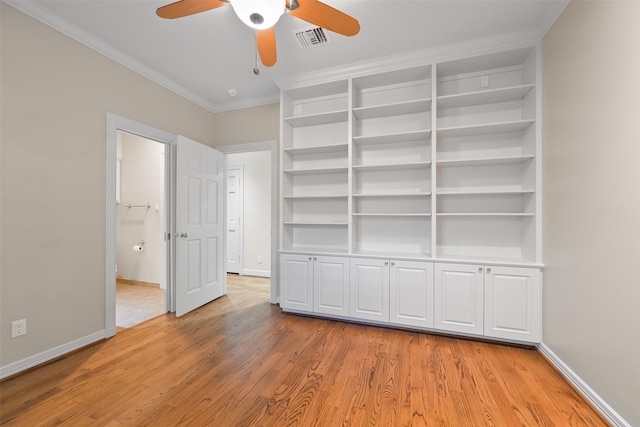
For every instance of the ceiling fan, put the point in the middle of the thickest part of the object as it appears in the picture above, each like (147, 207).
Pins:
(262, 15)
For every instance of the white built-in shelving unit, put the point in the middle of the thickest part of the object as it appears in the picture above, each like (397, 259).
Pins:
(486, 158)
(391, 162)
(315, 168)
(436, 162)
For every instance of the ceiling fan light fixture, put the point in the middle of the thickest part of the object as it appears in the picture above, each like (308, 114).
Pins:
(259, 14)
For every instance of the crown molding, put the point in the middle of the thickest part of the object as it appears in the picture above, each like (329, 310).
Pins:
(81, 36)
(248, 103)
(410, 59)
(388, 63)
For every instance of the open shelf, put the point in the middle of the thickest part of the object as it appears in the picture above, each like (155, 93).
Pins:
(317, 197)
(386, 255)
(317, 149)
(492, 236)
(393, 109)
(393, 234)
(381, 167)
(475, 191)
(392, 194)
(315, 223)
(394, 137)
(490, 96)
(314, 171)
(470, 161)
(442, 256)
(393, 214)
(484, 129)
(316, 249)
(320, 237)
(487, 214)
(318, 118)
(482, 190)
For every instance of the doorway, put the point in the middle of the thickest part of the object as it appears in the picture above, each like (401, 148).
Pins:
(259, 163)
(140, 219)
(117, 124)
(193, 221)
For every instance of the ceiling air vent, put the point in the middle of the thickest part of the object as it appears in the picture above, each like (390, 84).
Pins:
(312, 37)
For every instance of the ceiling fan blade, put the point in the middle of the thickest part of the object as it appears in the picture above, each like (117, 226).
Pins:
(188, 7)
(325, 16)
(266, 40)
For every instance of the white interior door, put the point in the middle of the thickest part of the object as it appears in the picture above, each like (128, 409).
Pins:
(200, 266)
(234, 219)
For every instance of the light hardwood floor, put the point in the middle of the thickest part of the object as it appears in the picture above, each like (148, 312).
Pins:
(240, 362)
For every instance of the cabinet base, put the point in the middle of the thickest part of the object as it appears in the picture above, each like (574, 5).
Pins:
(351, 320)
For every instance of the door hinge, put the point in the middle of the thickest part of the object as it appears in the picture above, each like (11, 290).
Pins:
(167, 236)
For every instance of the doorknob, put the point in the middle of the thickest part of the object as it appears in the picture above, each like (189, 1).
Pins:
(184, 235)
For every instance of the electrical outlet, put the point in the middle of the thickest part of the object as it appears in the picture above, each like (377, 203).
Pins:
(18, 328)
(484, 81)
(259, 259)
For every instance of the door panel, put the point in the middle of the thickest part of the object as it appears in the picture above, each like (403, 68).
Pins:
(513, 303)
(459, 291)
(199, 214)
(234, 219)
(411, 293)
(369, 288)
(331, 285)
(296, 278)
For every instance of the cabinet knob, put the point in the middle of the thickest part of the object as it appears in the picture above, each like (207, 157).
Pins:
(386, 263)
(488, 269)
(479, 269)
(310, 259)
(315, 258)
(393, 263)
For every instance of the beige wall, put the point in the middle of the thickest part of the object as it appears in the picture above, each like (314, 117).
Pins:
(55, 97)
(256, 124)
(248, 125)
(257, 209)
(591, 155)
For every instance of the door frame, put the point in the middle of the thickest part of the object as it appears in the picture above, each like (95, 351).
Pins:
(240, 169)
(117, 123)
(272, 146)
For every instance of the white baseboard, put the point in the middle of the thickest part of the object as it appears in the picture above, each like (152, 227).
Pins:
(583, 388)
(256, 273)
(45, 356)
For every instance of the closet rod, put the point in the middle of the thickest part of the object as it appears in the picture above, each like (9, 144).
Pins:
(138, 206)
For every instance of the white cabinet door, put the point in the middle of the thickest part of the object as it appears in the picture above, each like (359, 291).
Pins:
(459, 291)
(296, 282)
(331, 285)
(513, 303)
(411, 293)
(369, 288)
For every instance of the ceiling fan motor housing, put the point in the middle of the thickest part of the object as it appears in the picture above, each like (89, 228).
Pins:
(259, 14)
(256, 18)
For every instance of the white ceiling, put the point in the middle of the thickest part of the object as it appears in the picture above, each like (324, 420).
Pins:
(203, 56)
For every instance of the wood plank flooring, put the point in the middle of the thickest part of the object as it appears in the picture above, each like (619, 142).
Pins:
(240, 362)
